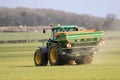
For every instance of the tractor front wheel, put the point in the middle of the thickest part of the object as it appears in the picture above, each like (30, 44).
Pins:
(40, 58)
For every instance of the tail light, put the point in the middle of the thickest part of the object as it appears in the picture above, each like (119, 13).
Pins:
(101, 42)
(68, 44)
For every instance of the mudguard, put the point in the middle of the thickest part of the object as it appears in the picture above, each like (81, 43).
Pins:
(44, 49)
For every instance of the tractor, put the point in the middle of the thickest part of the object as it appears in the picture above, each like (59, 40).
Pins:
(69, 45)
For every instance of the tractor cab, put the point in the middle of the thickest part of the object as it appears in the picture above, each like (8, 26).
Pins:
(61, 29)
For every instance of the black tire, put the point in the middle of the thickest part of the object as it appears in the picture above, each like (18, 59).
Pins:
(40, 58)
(87, 59)
(54, 55)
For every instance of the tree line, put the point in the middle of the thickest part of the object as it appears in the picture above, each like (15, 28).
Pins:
(43, 17)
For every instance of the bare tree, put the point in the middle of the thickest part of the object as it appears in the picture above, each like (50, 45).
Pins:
(109, 21)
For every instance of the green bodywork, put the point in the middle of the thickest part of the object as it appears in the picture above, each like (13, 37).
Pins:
(76, 38)
(81, 38)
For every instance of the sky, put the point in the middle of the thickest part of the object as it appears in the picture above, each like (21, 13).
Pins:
(98, 8)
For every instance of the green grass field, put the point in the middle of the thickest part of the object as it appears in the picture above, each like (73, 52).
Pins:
(23, 35)
(16, 63)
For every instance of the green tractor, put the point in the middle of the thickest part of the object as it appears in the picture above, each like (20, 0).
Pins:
(68, 45)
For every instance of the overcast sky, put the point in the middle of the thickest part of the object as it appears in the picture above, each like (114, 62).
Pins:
(91, 7)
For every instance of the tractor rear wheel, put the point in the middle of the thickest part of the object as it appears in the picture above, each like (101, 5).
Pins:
(40, 58)
(87, 59)
(54, 57)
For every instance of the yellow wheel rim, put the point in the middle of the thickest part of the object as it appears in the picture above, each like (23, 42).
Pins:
(53, 55)
(38, 58)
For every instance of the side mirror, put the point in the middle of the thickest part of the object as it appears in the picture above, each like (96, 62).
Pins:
(44, 31)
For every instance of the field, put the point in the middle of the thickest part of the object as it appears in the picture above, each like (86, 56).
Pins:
(16, 63)
(23, 35)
